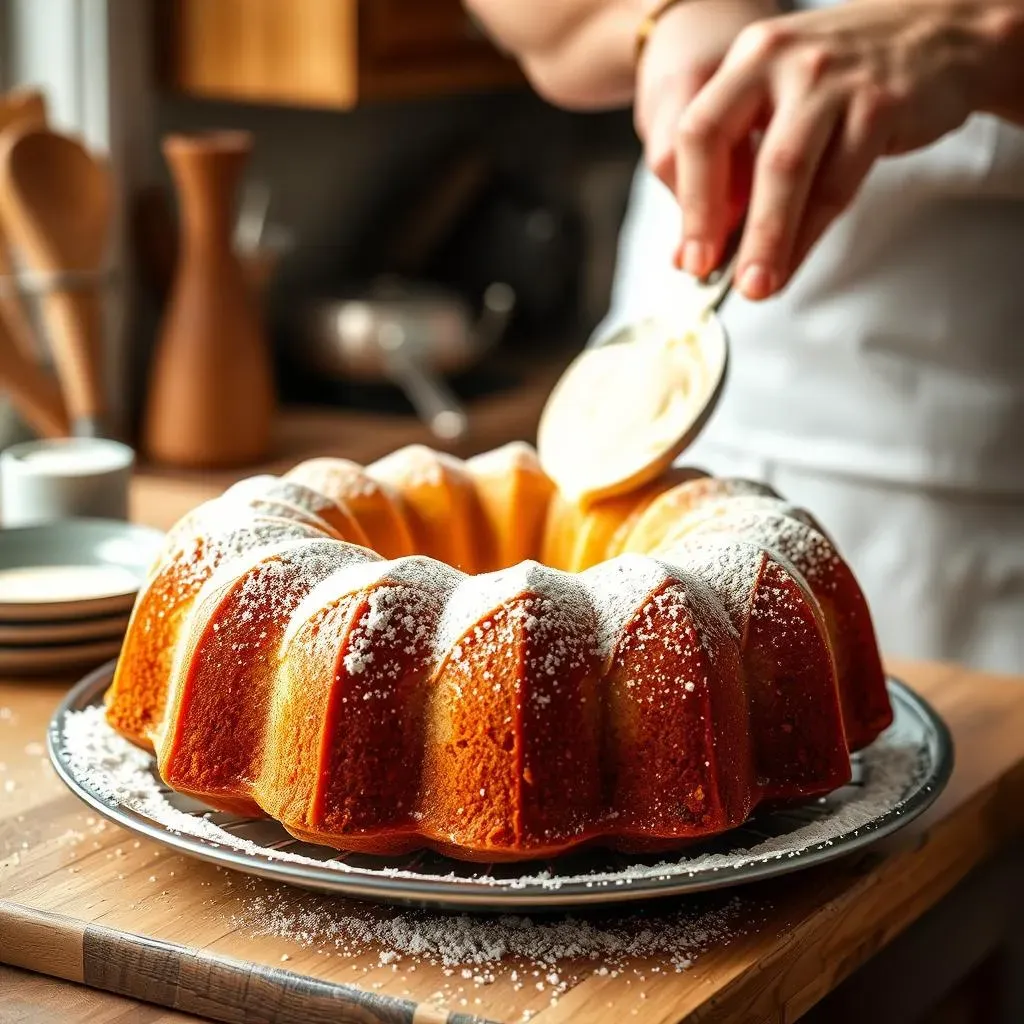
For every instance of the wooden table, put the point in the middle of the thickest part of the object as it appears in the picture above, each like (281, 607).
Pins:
(83, 901)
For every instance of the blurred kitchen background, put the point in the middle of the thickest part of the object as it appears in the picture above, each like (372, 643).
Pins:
(426, 242)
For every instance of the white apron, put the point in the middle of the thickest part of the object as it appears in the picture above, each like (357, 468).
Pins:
(884, 389)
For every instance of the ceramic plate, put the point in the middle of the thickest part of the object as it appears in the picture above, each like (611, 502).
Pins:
(73, 569)
(894, 780)
(57, 659)
(36, 634)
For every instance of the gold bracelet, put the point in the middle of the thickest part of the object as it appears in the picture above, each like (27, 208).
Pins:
(651, 19)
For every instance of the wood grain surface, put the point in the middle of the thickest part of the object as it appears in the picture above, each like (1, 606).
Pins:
(330, 54)
(83, 900)
(30, 998)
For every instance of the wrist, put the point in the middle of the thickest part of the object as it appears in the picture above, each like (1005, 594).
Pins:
(678, 27)
(660, 16)
(997, 79)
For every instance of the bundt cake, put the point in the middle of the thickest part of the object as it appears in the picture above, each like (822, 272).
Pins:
(433, 653)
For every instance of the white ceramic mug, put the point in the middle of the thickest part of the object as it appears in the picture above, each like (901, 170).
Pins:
(74, 477)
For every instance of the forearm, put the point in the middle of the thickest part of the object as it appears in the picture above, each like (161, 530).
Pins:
(576, 53)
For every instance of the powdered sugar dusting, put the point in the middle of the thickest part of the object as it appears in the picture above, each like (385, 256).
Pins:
(710, 618)
(375, 636)
(544, 954)
(287, 572)
(617, 589)
(414, 466)
(281, 489)
(193, 557)
(728, 567)
(341, 479)
(792, 538)
(477, 596)
(746, 504)
(417, 573)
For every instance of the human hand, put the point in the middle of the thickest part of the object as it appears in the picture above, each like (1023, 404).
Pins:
(682, 53)
(834, 90)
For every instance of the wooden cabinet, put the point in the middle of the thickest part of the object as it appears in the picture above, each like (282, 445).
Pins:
(325, 53)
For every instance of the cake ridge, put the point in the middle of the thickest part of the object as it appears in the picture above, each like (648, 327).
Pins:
(616, 588)
(411, 572)
(267, 485)
(476, 595)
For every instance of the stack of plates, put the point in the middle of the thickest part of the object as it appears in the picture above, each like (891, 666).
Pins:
(66, 591)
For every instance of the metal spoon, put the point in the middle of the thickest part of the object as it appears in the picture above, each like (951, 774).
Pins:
(624, 410)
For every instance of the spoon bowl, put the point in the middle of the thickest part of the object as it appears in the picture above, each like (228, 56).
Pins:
(63, 198)
(624, 411)
(627, 408)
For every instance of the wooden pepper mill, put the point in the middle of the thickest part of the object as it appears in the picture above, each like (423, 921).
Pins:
(211, 394)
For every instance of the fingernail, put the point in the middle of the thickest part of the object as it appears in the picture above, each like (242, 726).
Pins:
(696, 255)
(756, 281)
(677, 258)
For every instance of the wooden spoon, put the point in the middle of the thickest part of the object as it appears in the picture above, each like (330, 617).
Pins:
(18, 108)
(56, 201)
(33, 392)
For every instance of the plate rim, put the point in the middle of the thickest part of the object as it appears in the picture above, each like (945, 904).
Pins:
(56, 657)
(68, 611)
(24, 612)
(460, 895)
(66, 631)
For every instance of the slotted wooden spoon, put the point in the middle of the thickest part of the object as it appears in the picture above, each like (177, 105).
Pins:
(56, 201)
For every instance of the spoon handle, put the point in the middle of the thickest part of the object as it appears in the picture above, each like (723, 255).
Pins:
(32, 391)
(717, 285)
(12, 308)
(75, 323)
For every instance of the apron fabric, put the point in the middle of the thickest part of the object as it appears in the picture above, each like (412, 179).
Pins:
(884, 389)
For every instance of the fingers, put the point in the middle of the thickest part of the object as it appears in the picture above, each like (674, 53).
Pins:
(659, 141)
(825, 128)
(713, 126)
(657, 123)
(784, 174)
(856, 145)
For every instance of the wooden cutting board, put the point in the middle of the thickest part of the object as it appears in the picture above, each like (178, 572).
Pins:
(83, 900)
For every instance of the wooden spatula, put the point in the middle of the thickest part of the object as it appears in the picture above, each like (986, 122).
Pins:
(56, 201)
(18, 108)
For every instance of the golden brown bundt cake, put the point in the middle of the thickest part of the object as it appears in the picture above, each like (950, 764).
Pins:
(579, 536)
(677, 753)
(793, 535)
(441, 504)
(372, 503)
(514, 493)
(378, 659)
